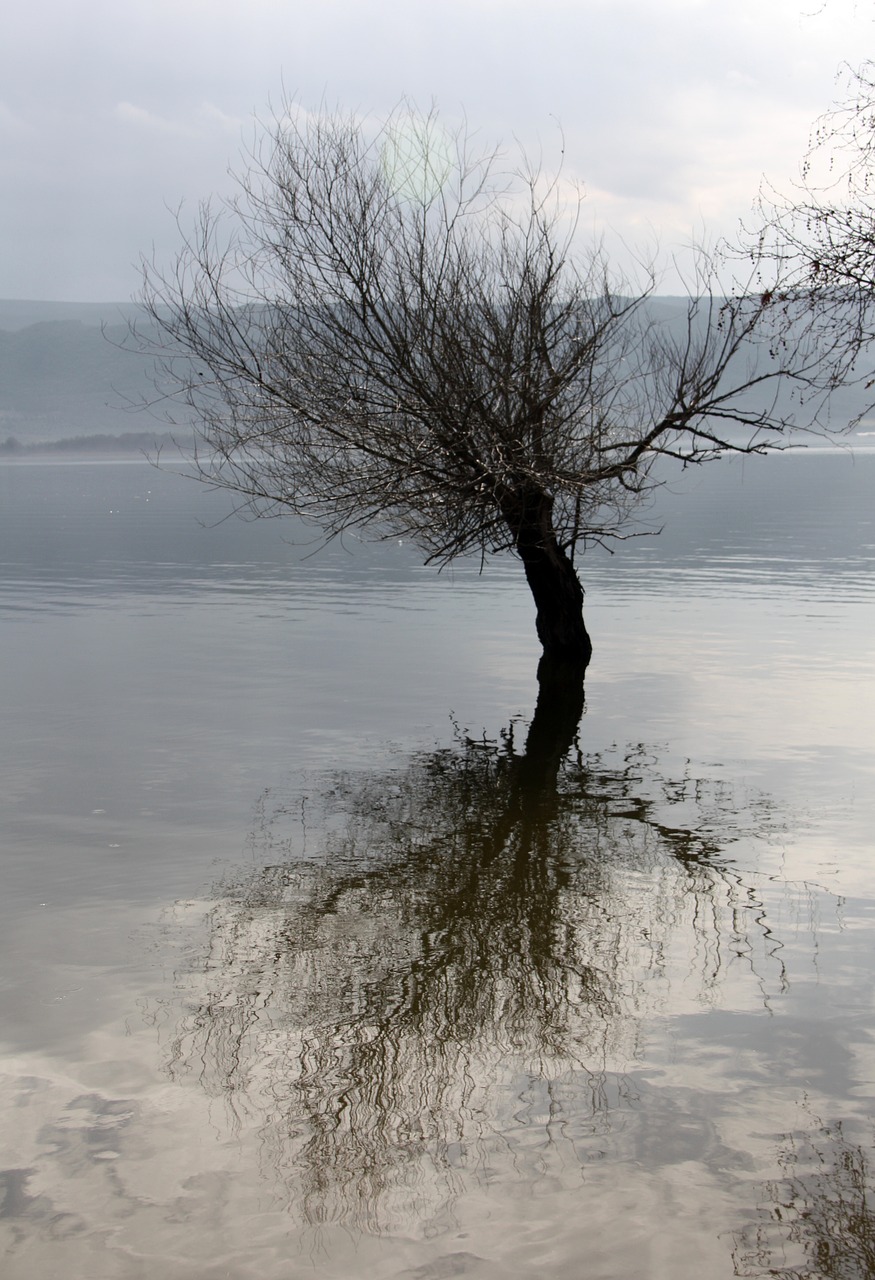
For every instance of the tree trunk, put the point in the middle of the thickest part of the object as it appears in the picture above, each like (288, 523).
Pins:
(552, 579)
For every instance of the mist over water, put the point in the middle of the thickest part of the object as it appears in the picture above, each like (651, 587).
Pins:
(325, 954)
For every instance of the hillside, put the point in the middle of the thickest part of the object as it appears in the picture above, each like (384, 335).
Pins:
(66, 370)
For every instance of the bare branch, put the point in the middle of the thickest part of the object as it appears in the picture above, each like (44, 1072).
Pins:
(395, 332)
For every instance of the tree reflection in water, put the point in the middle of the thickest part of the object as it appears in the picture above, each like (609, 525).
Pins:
(450, 978)
(817, 1222)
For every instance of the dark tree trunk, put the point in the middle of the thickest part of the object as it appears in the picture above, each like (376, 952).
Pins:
(552, 579)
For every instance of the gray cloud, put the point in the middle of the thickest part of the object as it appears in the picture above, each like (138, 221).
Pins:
(670, 112)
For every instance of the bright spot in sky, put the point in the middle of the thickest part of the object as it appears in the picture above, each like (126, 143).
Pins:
(417, 157)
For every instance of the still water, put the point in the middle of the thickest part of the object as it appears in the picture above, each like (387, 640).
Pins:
(322, 957)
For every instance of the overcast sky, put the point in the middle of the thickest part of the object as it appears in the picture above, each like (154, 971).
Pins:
(111, 111)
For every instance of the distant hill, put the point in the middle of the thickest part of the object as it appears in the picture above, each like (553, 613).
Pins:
(16, 314)
(65, 374)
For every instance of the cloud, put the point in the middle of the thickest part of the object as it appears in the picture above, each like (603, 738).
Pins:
(128, 113)
(205, 118)
(210, 114)
(669, 111)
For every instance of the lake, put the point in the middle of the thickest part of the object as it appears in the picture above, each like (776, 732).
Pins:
(322, 958)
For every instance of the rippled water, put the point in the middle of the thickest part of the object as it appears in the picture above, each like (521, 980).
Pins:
(322, 957)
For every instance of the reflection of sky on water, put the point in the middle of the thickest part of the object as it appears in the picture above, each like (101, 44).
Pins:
(435, 986)
(815, 1218)
(631, 1018)
(459, 971)
(799, 519)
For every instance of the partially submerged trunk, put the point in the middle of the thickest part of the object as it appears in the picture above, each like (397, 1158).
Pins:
(552, 579)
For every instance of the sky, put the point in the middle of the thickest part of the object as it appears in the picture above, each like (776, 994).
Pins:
(115, 115)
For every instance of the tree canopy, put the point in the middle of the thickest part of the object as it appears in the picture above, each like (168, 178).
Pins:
(389, 329)
(819, 240)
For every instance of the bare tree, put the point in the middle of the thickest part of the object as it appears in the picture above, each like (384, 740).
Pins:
(395, 332)
(820, 239)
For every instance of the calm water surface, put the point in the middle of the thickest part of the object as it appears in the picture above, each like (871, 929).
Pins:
(322, 958)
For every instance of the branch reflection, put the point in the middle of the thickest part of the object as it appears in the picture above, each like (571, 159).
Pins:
(817, 1221)
(458, 960)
